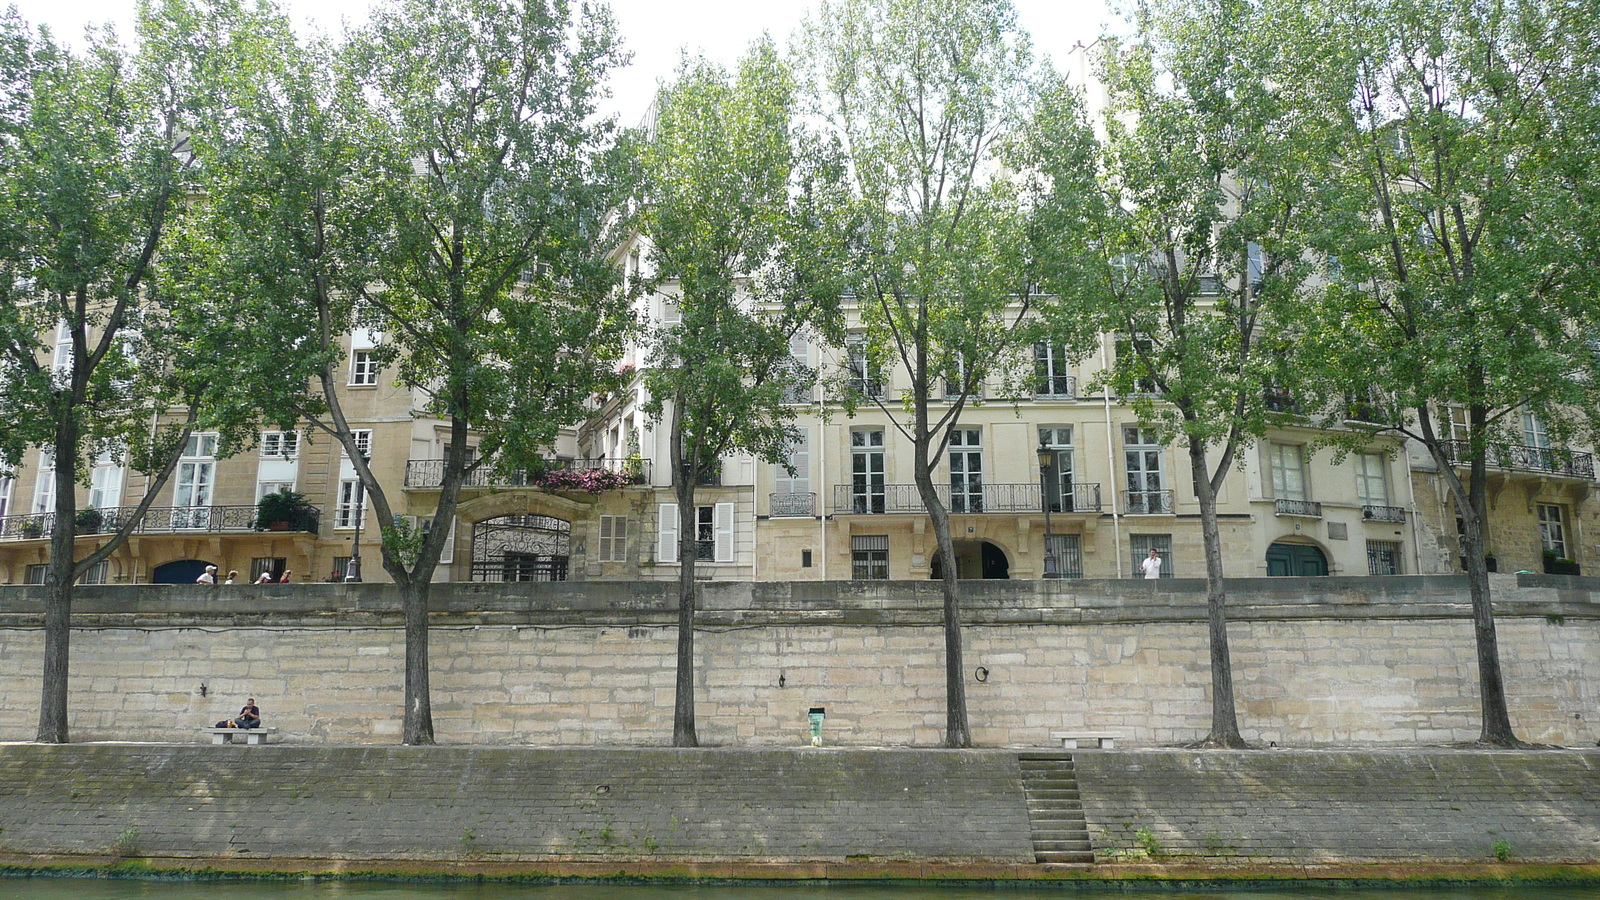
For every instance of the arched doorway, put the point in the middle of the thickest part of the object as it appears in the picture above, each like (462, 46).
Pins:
(975, 559)
(1295, 559)
(521, 548)
(179, 571)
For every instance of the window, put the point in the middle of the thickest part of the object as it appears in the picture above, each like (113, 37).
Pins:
(955, 381)
(613, 538)
(341, 567)
(363, 369)
(363, 441)
(713, 533)
(44, 487)
(798, 386)
(1256, 261)
(1552, 531)
(280, 444)
(865, 377)
(105, 483)
(1138, 353)
(6, 483)
(790, 488)
(1052, 372)
(1058, 491)
(1383, 557)
(264, 488)
(197, 471)
(1141, 544)
(35, 573)
(1288, 471)
(867, 488)
(1533, 434)
(1066, 556)
(1372, 488)
(671, 313)
(869, 557)
(275, 565)
(966, 470)
(352, 504)
(97, 573)
(1141, 454)
(61, 363)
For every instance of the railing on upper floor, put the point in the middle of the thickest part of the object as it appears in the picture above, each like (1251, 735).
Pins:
(157, 520)
(976, 499)
(1550, 460)
(1307, 509)
(791, 505)
(429, 473)
(1147, 503)
(1393, 514)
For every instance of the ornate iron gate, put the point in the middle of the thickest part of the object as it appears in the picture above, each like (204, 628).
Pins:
(521, 548)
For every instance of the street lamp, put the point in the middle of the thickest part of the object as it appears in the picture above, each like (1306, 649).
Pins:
(352, 569)
(1047, 462)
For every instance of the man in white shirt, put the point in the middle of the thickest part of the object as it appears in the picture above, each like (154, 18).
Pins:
(1151, 565)
(209, 576)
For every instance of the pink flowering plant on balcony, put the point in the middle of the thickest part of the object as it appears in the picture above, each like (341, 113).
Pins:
(591, 481)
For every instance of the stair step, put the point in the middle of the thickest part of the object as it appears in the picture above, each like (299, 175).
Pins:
(1065, 856)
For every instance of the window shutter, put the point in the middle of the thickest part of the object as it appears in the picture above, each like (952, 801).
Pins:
(667, 533)
(723, 522)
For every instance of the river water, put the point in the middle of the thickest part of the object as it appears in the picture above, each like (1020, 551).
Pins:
(116, 889)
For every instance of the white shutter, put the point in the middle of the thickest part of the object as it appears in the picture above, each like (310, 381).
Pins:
(723, 522)
(667, 533)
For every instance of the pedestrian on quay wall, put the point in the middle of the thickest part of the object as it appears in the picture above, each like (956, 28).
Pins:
(209, 576)
(265, 578)
(285, 578)
(232, 574)
(1151, 565)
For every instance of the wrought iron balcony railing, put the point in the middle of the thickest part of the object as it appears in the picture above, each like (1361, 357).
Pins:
(429, 473)
(157, 520)
(1082, 497)
(1307, 509)
(792, 504)
(1551, 460)
(1394, 514)
(1147, 503)
(1055, 387)
(988, 498)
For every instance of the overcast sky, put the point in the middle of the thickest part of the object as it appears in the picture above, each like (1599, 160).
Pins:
(653, 30)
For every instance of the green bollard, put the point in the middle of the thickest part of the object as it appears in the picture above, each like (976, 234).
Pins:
(816, 716)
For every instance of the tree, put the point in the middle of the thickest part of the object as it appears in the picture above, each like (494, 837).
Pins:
(443, 181)
(922, 96)
(98, 339)
(1460, 138)
(739, 209)
(1199, 237)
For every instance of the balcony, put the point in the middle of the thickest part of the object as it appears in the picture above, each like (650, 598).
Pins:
(1393, 514)
(1055, 387)
(157, 520)
(989, 498)
(424, 474)
(1525, 458)
(1147, 503)
(794, 505)
(1305, 509)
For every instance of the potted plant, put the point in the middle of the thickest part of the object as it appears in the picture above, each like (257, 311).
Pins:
(32, 527)
(1555, 564)
(89, 519)
(282, 511)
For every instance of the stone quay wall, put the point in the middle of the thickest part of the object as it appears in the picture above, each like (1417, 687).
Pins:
(1317, 662)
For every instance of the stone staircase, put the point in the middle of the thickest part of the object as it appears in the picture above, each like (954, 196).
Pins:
(1060, 834)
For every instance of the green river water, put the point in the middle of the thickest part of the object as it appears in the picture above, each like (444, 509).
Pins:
(114, 889)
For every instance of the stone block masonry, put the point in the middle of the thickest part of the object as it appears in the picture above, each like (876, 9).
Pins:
(1318, 662)
(422, 803)
(1393, 805)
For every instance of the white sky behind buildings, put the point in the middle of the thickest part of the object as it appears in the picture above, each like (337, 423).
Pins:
(655, 31)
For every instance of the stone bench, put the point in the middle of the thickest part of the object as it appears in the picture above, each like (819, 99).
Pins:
(251, 735)
(1105, 740)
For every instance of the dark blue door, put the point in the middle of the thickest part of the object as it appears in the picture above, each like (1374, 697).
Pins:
(181, 571)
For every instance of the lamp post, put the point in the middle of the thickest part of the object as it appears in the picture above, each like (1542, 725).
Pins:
(352, 570)
(1047, 460)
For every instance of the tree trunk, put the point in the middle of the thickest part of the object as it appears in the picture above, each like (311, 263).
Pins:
(58, 590)
(418, 720)
(1497, 730)
(957, 729)
(1224, 717)
(683, 730)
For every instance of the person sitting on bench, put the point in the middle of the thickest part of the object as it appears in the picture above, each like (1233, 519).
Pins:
(249, 717)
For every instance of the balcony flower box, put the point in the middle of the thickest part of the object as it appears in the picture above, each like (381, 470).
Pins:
(32, 528)
(1558, 566)
(89, 520)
